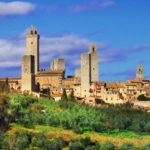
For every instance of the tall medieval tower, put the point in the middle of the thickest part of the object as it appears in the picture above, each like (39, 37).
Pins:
(139, 72)
(32, 46)
(89, 70)
(30, 61)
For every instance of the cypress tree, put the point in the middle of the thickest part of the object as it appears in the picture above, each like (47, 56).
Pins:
(64, 95)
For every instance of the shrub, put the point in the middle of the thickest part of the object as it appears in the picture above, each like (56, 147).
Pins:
(107, 146)
(41, 141)
(143, 98)
(2, 136)
(35, 108)
(56, 144)
(33, 148)
(76, 146)
(64, 95)
(127, 146)
(145, 147)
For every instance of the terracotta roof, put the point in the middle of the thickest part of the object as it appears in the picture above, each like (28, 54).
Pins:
(114, 85)
(141, 79)
(4, 79)
(130, 84)
(99, 83)
(50, 72)
(56, 95)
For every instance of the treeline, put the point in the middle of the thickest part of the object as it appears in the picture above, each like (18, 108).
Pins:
(23, 140)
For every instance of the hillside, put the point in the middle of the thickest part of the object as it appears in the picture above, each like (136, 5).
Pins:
(24, 119)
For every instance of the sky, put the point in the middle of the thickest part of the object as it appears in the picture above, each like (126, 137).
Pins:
(119, 28)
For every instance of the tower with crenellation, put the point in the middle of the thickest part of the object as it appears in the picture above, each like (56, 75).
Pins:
(30, 61)
(32, 46)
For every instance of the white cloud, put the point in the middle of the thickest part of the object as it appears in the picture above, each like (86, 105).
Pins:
(16, 8)
(68, 46)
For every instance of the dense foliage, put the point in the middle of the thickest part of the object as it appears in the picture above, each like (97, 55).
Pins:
(80, 117)
(68, 114)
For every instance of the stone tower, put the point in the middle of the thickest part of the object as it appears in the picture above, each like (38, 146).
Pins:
(58, 64)
(94, 63)
(28, 77)
(139, 72)
(32, 46)
(89, 70)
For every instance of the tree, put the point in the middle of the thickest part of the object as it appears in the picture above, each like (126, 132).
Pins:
(76, 146)
(4, 118)
(127, 146)
(2, 136)
(6, 86)
(64, 95)
(10, 141)
(107, 146)
(142, 98)
(145, 147)
(71, 96)
(48, 93)
(147, 127)
(41, 141)
(109, 125)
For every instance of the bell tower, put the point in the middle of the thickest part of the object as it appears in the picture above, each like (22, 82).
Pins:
(139, 72)
(32, 46)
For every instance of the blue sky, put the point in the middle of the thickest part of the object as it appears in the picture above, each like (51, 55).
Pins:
(121, 30)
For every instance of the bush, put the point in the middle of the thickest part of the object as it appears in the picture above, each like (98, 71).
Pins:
(41, 141)
(20, 139)
(57, 144)
(2, 136)
(145, 147)
(107, 146)
(76, 146)
(143, 98)
(127, 146)
(35, 108)
(33, 148)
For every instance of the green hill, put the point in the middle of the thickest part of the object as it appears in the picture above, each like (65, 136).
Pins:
(24, 119)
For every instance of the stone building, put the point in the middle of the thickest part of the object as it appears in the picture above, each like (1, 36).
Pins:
(34, 79)
(14, 83)
(58, 64)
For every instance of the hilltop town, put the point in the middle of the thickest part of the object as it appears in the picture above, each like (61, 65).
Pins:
(85, 83)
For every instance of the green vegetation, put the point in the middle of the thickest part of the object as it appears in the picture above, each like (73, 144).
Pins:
(4, 86)
(29, 123)
(143, 98)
